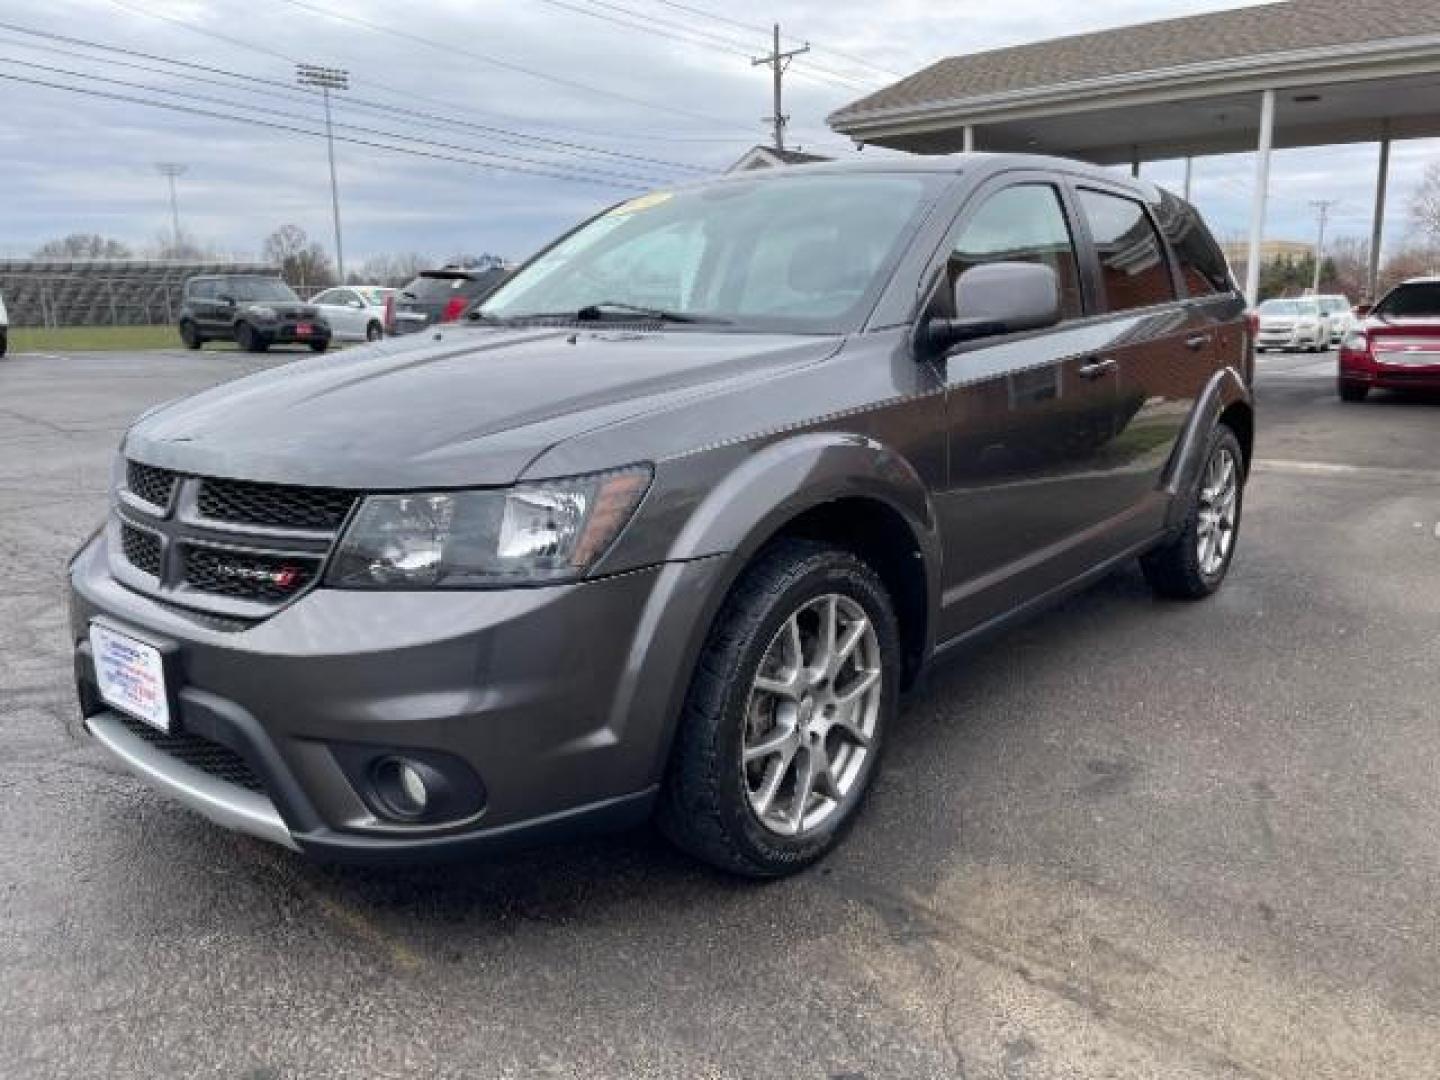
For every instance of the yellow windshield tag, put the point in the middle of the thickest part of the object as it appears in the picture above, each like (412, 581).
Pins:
(644, 202)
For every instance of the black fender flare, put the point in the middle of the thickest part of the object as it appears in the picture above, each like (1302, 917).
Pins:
(1225, 388)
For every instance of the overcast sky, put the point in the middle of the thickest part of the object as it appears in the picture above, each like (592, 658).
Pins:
(74, 163)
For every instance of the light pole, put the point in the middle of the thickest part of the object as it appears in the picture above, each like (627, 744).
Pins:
(170, 170)
(1322, 209)
(328, 79)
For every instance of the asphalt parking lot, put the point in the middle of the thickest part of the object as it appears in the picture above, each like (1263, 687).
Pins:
(1131, 839)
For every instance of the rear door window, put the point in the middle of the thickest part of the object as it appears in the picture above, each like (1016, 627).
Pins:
(202, 290)
(1133, 266)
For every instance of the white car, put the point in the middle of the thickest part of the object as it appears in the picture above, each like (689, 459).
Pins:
(1339, 314)
(354, 312)
(1291, 324)
(4, 328)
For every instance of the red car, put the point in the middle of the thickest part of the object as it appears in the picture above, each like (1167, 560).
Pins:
(1396, 344)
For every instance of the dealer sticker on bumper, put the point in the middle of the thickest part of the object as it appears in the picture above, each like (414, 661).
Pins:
(130, 676)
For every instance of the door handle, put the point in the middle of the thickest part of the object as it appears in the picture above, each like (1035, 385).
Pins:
(1093, 369)
(1198, 342)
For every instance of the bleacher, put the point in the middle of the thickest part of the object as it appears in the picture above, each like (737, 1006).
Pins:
(103, 292)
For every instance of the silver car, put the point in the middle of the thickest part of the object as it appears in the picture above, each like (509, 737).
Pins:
(1291, 325)
(354, 312)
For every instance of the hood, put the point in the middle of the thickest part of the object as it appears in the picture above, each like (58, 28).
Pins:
(468, 406)
(286, 309)
(1427, 328)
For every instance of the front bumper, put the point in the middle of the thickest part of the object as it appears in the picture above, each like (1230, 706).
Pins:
(1287, 338)
(560, 700)
(288, 333)
(1387, 371)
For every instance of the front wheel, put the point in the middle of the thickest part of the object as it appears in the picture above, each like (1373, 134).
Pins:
(786, 715)
(1192, 566)
(250, 339)
(374, 332)
(190, 335)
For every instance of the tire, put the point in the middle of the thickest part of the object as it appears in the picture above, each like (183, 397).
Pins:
(1181, 569)
(319, 346)
(190, 335)
(4, 340)
(374, 332)
(708, 803)
(249, 339)
(1350, 391)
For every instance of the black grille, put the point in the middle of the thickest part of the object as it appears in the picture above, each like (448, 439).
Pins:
(247, 576)
(147, 482)
(142, 549)
(199, 753)
(276, 505)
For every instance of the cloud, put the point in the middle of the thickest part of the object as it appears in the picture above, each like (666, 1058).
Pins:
(77, 163)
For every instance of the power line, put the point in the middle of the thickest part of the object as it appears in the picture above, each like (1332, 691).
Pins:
(716, 17)
(441, 46)
(353, 140)
(639, 20)
(278, 88)
(582, 168)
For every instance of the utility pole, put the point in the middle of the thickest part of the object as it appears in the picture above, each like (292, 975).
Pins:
(328, 79)
(170, 170)
(779, 62)
(1322, 208)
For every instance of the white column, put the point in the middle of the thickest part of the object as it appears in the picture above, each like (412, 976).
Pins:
(1372, 281)
(1262, 185)
(968, 137)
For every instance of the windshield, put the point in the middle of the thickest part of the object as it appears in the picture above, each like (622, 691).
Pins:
(1417, 301)
(793, 252)
(1332, 304)
(252, 289)
(1288, 307)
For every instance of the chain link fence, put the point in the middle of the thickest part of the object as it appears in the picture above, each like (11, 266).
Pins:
(104, 292)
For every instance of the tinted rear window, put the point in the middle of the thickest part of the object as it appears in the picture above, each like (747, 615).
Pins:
(1202, 264)
(430, 289)
(1421, 300)
(1132, 259)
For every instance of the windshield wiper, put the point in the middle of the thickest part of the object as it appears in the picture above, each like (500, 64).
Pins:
(597, 311)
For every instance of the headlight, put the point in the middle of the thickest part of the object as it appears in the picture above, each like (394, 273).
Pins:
(264, 314)
(547, 532)
(1356, 341)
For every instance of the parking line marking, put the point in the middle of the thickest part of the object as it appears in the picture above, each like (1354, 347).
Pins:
(1330, 468)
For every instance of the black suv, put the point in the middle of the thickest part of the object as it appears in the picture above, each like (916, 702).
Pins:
(438, 296)
(667, 524)
(253, 311)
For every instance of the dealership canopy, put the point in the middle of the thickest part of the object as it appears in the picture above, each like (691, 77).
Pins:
(1302, 73)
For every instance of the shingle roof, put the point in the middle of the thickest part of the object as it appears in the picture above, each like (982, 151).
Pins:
(1222, 35)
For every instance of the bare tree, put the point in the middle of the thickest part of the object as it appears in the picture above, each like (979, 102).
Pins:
(392, 269)
(1425, 203)
(303, 263)
(83, 246)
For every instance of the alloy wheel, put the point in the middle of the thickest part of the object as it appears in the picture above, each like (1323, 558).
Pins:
(812, 715)
(1215, 531)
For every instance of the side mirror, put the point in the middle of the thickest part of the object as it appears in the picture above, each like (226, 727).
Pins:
(1362, 310)
(996, 298)
(356, 304)
(228, 301)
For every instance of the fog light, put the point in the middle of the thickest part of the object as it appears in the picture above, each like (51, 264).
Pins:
(403, 786)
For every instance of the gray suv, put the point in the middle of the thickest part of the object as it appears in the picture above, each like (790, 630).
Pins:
(667, 525)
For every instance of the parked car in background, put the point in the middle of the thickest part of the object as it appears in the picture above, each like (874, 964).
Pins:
(1396, 344)
(354, 312)
(251, 310)
(439, 296)
(1339, 315)
(4, 328)
(671, 522)
(1290, 324)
